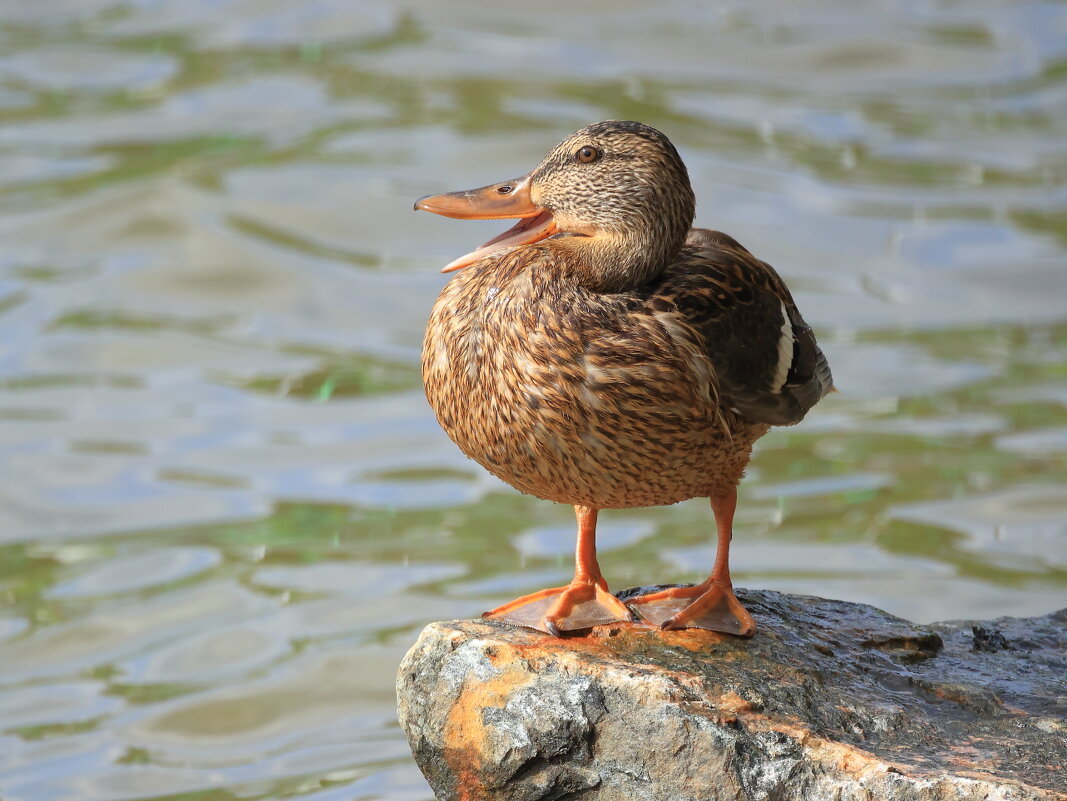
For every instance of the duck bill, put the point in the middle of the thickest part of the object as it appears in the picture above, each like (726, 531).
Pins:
(503, 201)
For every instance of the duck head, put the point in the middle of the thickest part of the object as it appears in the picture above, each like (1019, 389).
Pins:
(612, 199)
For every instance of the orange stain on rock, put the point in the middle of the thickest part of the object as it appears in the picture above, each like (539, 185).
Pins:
(465, 730)
(732, 702)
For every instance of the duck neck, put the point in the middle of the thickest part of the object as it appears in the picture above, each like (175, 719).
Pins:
(624, 259)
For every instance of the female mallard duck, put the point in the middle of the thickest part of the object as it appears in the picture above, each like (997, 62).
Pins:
(602, 354)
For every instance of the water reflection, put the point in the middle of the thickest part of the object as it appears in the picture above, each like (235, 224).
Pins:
(226, 509)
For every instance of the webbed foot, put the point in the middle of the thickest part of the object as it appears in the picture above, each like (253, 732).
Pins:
(579, 605)
(711, 605)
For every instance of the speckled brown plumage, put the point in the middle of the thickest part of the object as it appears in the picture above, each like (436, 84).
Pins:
(626, 360)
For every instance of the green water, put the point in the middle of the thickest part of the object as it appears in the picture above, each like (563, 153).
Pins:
(226, 510)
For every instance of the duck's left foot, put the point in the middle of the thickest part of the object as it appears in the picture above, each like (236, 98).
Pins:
(579, 605)
(711, 605)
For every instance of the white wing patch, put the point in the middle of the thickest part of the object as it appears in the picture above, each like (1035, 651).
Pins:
(785, 353)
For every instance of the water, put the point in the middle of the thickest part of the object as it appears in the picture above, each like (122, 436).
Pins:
(226, 509)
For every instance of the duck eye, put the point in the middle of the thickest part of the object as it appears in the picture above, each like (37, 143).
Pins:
(587, 154)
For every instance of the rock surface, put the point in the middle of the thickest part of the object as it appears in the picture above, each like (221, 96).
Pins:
(830, 700)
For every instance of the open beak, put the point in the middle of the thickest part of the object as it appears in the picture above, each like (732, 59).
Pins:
(503, 201)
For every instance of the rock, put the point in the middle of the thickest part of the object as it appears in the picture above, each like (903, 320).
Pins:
(829, 700)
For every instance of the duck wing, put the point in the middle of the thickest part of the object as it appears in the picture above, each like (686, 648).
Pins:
(770, 369)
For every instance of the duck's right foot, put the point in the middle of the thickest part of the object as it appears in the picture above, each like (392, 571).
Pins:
(579, 605)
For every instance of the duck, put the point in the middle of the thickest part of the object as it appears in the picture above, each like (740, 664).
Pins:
(605, 354)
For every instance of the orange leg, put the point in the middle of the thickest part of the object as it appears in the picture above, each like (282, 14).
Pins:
(583, 603)
(711, 604)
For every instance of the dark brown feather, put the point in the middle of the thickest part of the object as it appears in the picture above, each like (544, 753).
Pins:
(735, 301)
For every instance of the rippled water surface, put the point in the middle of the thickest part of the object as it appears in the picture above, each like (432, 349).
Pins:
(226, 510)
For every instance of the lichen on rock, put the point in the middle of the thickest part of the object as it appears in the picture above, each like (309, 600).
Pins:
(830, 700)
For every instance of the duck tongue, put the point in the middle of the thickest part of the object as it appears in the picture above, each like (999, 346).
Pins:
(524, 232)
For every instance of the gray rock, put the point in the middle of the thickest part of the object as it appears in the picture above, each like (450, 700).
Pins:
(830, 700)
